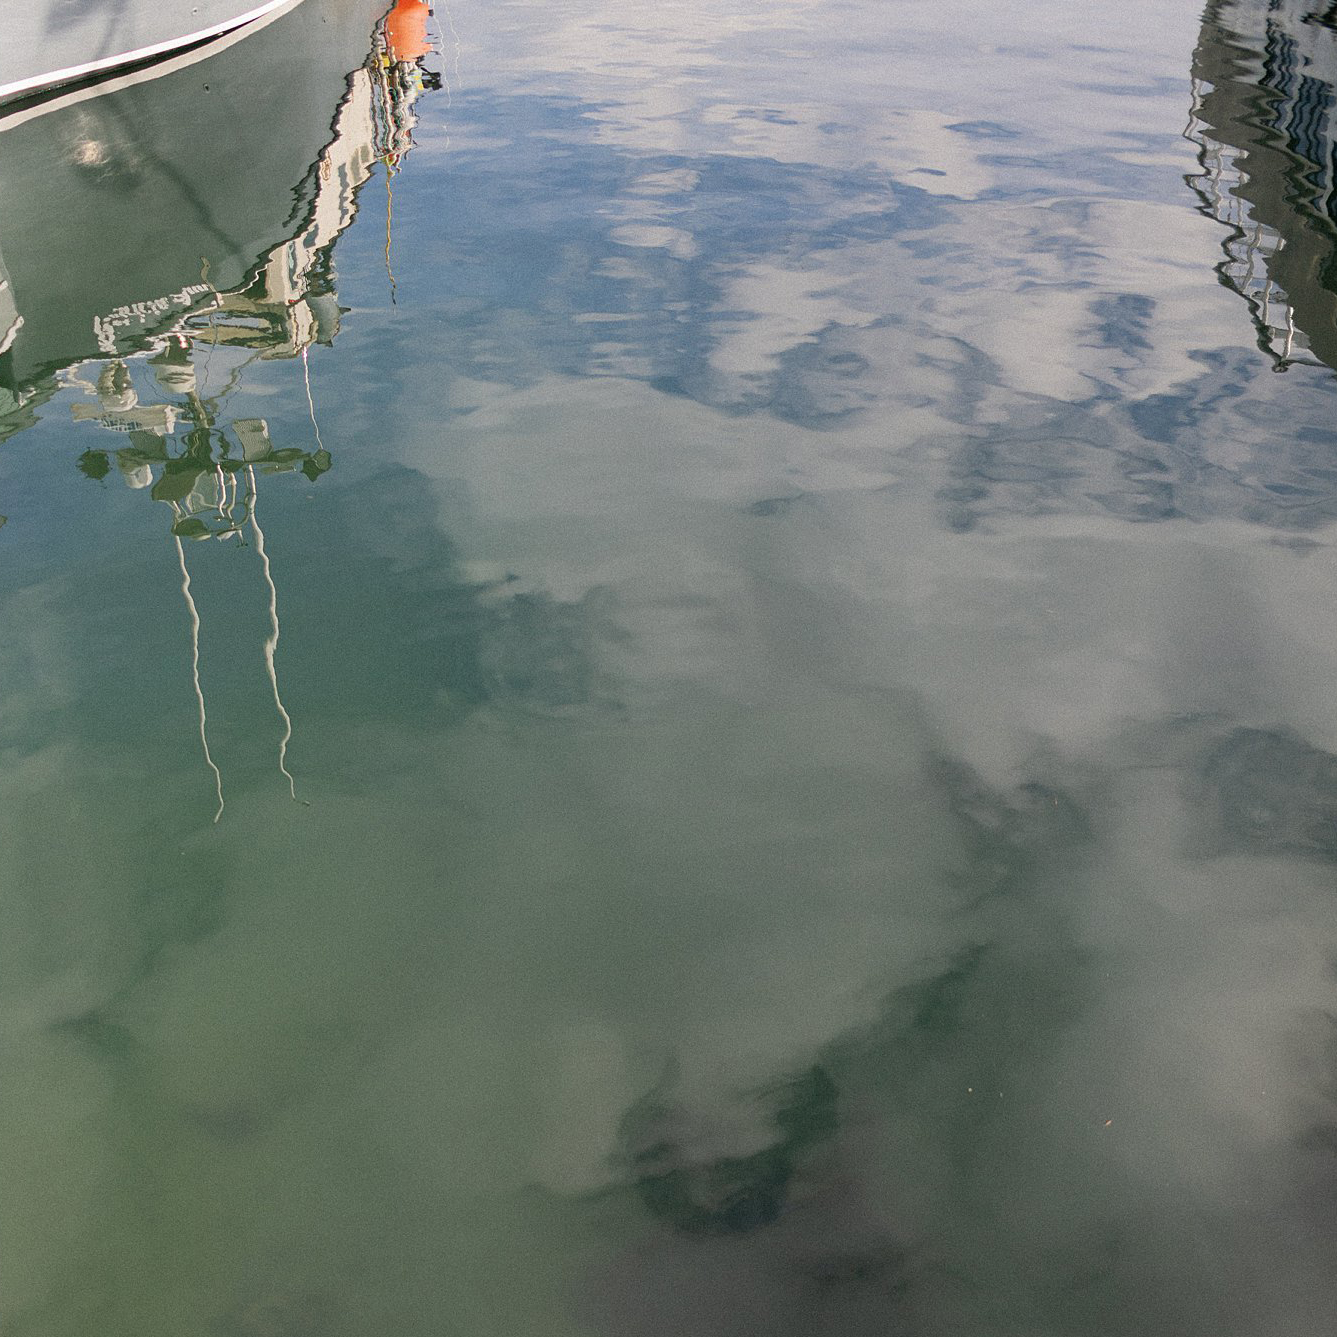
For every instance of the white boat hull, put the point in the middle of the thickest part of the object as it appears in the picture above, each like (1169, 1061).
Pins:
(55, 43)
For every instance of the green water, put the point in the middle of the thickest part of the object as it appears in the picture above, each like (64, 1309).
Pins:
(668, 670)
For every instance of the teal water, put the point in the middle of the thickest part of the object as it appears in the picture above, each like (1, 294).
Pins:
(668, 670)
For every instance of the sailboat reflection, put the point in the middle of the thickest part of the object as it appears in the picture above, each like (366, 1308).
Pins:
(1264, 88)
(163, 349)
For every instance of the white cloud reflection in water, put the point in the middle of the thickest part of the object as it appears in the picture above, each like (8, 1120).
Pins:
(915, 669)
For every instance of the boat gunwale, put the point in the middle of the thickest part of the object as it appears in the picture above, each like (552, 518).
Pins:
(34, 86)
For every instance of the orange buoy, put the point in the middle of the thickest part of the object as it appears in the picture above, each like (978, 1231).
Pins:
(406, 30)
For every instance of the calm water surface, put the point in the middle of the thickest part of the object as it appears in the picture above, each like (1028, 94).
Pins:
(667, 671)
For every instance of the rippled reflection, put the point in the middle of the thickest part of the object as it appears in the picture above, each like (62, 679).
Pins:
(801, 623)
(1264, 77)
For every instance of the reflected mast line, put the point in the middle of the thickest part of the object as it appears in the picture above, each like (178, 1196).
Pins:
(195, 670)
(310, 402)
(272, 641)
(445, 63)
(232, 503)
(213, 307)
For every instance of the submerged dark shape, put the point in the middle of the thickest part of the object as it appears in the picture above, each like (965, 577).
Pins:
(104, 1036)
(229, 1124)
(277, 1315)
(538, 653)
(1269, 792)
(1005, 833)
(731, 1195)
(724, 1195)
(769, 506)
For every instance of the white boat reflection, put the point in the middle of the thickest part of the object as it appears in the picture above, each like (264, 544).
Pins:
(56, 43)
(192, 217)
(122, 214)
